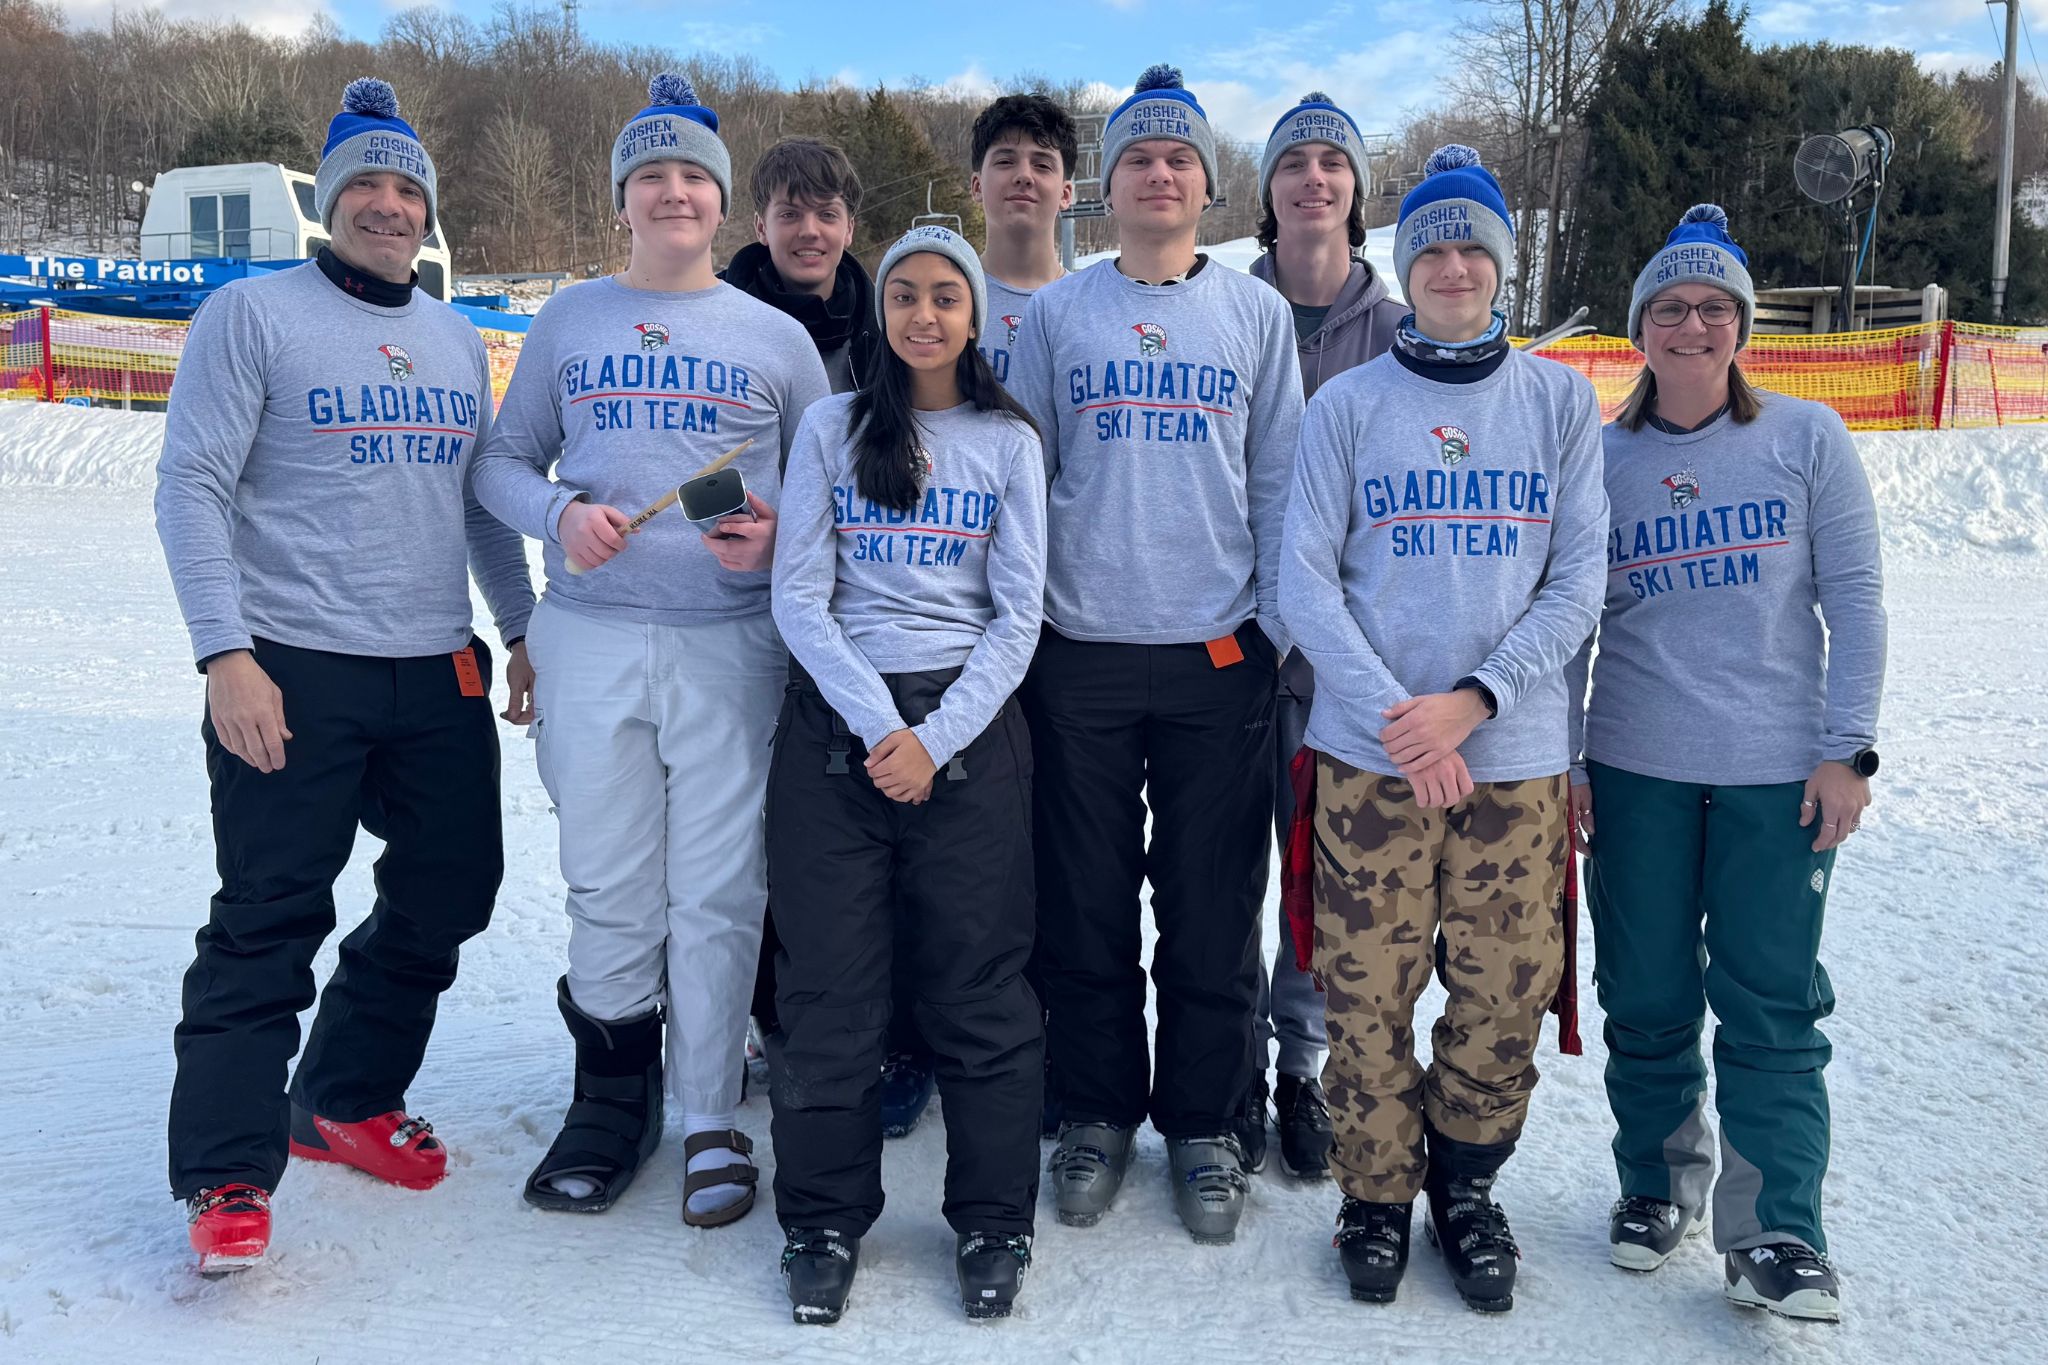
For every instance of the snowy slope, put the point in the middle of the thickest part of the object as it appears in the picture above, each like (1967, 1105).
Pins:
(106, 864)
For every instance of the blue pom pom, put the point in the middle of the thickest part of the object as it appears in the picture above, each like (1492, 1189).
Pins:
(669, 88)
(368, 95)
(1705, 213)
(1452, 156)
(1315, 97)
(1159, 76)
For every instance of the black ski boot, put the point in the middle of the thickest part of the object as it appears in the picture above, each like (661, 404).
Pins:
(614, 1119)
(1305, 1133)
(1790, 1278)
(818, 1266)
(991, 1266)
(1642, 1233)
(1250, 1125)
(1372, 1242)
(1467, 1226)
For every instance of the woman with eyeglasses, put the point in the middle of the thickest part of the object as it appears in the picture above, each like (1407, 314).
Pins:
(1727, 748)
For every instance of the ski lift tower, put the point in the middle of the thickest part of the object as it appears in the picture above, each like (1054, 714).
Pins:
(1088, 201)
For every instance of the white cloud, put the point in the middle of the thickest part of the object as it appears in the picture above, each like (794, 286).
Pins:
(972, 83)
(1789, 20)
(1246, 87)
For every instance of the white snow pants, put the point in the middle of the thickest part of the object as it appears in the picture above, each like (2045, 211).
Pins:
(653, 744)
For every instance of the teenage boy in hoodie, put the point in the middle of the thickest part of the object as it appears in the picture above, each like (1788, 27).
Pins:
(806, 198)
(1445, 560)
(1168, 398)
(1313, 184)
(806, 195)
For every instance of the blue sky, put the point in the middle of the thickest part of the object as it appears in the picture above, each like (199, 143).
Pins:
(1377, 58)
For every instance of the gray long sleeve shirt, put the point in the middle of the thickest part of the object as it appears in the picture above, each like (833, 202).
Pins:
(624, 393)
(956, 581)
(1730, 548)
(1169, 415)
(1439, 530)
(1006, 305)
(315, 486)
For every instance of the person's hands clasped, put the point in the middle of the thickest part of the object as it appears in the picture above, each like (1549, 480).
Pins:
(901, 769)
(247, 710)
(1423, 731)
(745, 544)
(1442, 784)
(1835, 797)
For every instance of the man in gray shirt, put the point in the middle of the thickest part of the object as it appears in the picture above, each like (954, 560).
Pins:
(314, 503)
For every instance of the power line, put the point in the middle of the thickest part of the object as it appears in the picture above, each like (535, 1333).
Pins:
(2028, 29)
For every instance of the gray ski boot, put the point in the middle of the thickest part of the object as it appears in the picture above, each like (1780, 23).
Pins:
(1087, 1170)
(1209, 1186)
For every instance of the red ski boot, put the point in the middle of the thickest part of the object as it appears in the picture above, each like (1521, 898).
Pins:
(229, 1226)
(393, 1147)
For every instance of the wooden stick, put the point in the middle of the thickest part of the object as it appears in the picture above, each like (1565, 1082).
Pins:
(663, 503)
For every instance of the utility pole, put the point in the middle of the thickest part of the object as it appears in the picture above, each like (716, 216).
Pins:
(2001, 240)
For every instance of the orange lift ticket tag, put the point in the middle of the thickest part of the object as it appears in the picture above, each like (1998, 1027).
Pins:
(467, 674)
(1225, 651)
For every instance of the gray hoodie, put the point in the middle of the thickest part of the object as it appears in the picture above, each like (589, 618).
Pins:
(1360, 325)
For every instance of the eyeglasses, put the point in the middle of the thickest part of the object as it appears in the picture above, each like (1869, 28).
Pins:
(1713, 312)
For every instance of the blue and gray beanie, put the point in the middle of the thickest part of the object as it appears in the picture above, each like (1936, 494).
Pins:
(1698, 251)
(1159, 107)
(1315, 119)
(941, 241)
(673, 127)
(1457, 202)
(368, 135)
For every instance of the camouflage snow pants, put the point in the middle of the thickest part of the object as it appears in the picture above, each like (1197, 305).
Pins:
(1489, 875)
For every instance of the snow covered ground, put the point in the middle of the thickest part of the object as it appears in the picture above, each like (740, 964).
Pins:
(1934, 1203)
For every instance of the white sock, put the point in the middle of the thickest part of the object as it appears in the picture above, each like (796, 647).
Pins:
(710, 1159)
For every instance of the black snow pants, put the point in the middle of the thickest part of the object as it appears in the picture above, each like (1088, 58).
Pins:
(844, 863)
(395, 746)
(1118, 729)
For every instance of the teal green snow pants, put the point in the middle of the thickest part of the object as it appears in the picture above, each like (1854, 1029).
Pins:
(1711, 896)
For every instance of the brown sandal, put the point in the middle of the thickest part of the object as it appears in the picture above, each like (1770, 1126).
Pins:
(739, 1173)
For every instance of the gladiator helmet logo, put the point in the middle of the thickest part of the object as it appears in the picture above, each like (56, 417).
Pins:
(401, 363)
(1010, 321)
(1454, 443)
(1685, 488)
(1151, 337)
(921, 460)
(653, 335)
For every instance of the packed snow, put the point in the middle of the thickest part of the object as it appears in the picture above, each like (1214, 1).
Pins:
(1934, 1202)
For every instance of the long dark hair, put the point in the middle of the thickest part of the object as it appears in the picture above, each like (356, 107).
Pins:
(885, 443)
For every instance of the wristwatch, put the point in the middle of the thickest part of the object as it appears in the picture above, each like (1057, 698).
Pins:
(1485, 694)
(1864, 761)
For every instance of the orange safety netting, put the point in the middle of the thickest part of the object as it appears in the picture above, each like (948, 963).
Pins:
(1950, 374)
(1998, 376)
(503, 350)
(21, 354)
(112, 359)
(1877, 381)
